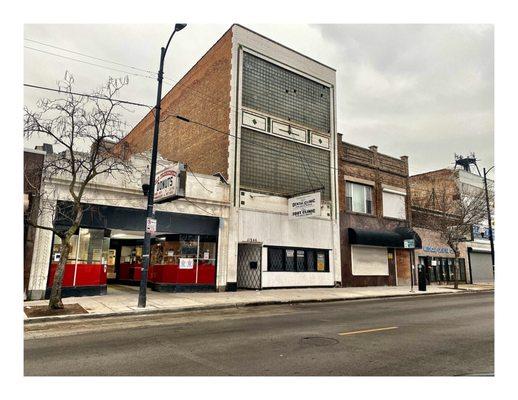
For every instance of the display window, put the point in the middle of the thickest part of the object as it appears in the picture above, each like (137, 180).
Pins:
(184, 259)
(86, 261)
(297, 260)
(441, 269)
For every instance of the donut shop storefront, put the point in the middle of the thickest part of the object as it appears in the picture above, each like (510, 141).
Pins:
(107, 249)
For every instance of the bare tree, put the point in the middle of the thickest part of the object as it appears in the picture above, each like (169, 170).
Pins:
(85, 130)
(451, 209)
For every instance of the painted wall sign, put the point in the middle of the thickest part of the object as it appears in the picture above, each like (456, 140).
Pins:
(169, 184)
(307, 205)
(186, 263)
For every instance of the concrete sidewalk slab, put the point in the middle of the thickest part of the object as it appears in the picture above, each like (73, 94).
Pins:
(122, 300)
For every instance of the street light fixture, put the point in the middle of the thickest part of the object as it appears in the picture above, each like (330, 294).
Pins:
(151, 188)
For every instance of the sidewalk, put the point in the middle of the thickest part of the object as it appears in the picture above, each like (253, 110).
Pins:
(122, 300)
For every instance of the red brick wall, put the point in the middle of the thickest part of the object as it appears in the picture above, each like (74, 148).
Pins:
(202, 95)
(367, 164)
(441, 182)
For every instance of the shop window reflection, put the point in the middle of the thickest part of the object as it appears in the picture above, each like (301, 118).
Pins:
(170, 249)
(90, 246)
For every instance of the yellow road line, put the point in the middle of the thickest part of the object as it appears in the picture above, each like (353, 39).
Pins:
(368, 330)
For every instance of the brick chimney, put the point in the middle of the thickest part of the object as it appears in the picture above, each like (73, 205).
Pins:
(373, 148)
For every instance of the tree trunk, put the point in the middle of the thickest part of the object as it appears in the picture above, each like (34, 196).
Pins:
(455, 274)
(55, 294)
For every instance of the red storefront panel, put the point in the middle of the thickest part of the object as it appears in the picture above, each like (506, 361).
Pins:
(206, 274)
(86, 275)
(172, 274)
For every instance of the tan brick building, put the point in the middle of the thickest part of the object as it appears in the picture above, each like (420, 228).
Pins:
(427, 190)
(375, 217)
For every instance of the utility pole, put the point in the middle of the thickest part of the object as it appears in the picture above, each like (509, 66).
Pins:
(146, 250)
(491, 241)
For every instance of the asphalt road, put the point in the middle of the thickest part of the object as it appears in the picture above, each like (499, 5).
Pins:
(429, 335)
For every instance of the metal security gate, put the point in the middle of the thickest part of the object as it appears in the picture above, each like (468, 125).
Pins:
(249, 266)
(481, 267)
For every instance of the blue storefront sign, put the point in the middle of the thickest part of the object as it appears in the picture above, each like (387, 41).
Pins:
(438, 250)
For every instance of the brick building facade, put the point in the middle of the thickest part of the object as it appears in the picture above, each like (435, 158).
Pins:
(202, 95)
(428, 189)
(263, 116)
(375, 217)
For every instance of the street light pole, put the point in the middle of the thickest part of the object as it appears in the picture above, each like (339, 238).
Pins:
(491, 242)
(146, 250)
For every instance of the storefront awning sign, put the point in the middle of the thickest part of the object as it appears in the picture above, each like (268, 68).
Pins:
(169, 184)
(307, 205)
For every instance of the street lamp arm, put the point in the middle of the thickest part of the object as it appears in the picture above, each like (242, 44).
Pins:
(487, 171)
(177, 28)
(169, 41)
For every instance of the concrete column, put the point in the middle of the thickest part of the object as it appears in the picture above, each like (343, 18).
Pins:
(232, 249)
(41, 255)
(221, 277)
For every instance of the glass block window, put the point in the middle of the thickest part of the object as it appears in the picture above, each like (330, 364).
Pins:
(281, 167)
(277, 91)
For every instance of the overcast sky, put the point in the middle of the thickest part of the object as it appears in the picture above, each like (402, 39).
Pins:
(425, 91)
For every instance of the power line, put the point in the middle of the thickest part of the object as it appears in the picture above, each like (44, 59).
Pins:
(185, 119)
(154, 77)
(182, 118)
(89, 56)
(86, 95)
(195, 177)
(90, 63)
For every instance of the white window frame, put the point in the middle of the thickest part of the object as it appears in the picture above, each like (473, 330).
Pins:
(364, 186)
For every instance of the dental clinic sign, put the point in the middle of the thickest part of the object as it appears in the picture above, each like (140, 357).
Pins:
(307, 205)
(170, 183)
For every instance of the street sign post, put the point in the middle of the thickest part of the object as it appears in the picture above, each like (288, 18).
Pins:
(410, 244)
(151, 226)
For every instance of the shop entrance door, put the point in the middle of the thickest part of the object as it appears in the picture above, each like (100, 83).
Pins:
(249, 266)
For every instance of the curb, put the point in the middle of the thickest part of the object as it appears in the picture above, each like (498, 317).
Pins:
(75, 317)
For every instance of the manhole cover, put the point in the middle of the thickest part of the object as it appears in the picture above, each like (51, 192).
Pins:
(318, 341)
